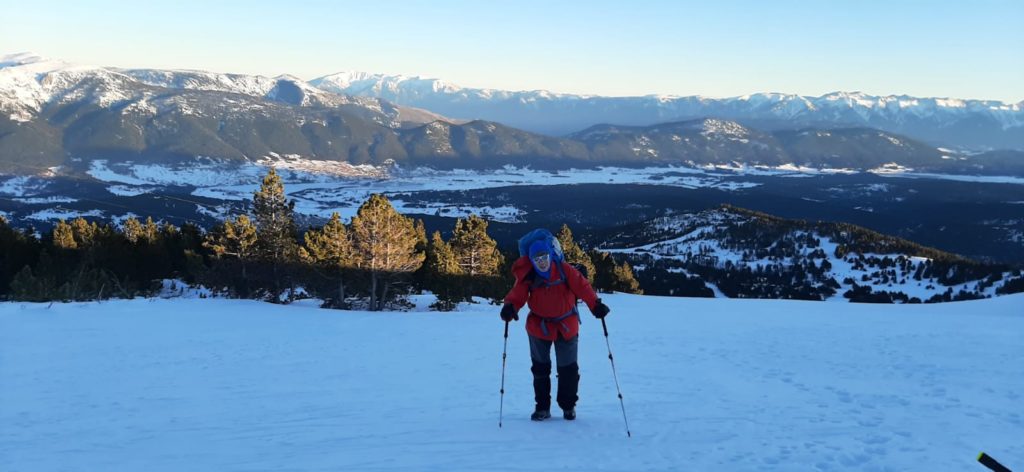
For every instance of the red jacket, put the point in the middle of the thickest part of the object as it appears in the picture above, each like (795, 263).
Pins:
(551, 304)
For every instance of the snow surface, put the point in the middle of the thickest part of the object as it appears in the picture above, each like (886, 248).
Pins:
(22, 186)
(45, 200)
(59, 213)
(128, 190)
(708, 384)
(988, 179)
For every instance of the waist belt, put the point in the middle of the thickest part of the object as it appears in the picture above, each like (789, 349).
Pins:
(560, 320)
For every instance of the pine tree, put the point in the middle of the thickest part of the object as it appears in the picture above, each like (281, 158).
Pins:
(441, 270)
(419, 276)
(18, 249)
(625, 281)
(276, 242)
(604, 270)
(85, 233)
(421, 236)
(275, 220)
(64, 236)
(150, 232)
(474, 250)
(235, 239)
(132, 229)
(385, 246)
(26, 287)
(574, 254)
(330, 248)
(168, 231)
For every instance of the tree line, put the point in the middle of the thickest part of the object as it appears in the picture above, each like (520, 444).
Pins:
(372, 262)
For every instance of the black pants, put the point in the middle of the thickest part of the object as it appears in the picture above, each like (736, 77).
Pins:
(568, 371)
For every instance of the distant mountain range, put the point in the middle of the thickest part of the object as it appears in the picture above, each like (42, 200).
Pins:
(950, 122)
(53, 114)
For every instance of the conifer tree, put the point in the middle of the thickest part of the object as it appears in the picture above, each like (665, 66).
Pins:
(132, 229)
(441, 259)
(474, 250)
(421, 236)
(84, 232)
(625, 281)
(236, 239)
(276, 242)
(150, 231)
(330, 248)
(47, 274)
(26, 287)
(274, 216)
(64, 236)
(385, 246)
(574, 254)
(419, 276)
(18, 249)
(604, 270)
(441, 270)
(168, 231)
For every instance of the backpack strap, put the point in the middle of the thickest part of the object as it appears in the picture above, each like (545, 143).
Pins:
(539, 281)
(542, 282)
(561, 320)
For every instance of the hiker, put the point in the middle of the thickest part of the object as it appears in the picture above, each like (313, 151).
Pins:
(551, 287)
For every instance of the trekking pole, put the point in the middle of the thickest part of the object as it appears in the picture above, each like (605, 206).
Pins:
(616, 377)
(504, 353)
(991, 463)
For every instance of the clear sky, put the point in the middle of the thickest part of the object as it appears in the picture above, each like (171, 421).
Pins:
(943, 48)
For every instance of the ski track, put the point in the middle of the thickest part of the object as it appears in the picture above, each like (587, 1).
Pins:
(709, 384)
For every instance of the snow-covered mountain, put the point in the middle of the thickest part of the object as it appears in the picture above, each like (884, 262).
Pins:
(53, 113)
(29, 83)
(708, 384)
(982, 124)
(58, 115)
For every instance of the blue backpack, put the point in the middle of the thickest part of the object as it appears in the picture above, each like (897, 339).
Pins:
(541, 234)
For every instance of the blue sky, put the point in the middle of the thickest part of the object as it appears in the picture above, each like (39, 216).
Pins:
(965, 49)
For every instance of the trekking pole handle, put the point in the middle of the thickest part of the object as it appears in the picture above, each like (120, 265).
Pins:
(605, 326)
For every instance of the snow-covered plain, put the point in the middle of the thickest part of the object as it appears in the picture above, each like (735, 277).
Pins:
(709, 384)
(320, 189)
(58, 213)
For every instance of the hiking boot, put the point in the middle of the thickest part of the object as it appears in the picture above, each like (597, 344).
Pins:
(569, 414)
(540, 415)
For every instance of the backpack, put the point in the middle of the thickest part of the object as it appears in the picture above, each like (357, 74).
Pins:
(557, 256)
(541, 234)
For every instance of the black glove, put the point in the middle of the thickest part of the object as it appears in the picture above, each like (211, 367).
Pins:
(509, 312)
(600, 309)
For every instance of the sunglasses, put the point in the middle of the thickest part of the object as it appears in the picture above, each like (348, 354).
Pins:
(541, 258)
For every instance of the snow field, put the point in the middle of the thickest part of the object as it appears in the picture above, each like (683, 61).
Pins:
(709, 384)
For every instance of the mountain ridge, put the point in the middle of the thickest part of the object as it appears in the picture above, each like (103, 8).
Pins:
(999, 124)
(52, 113)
